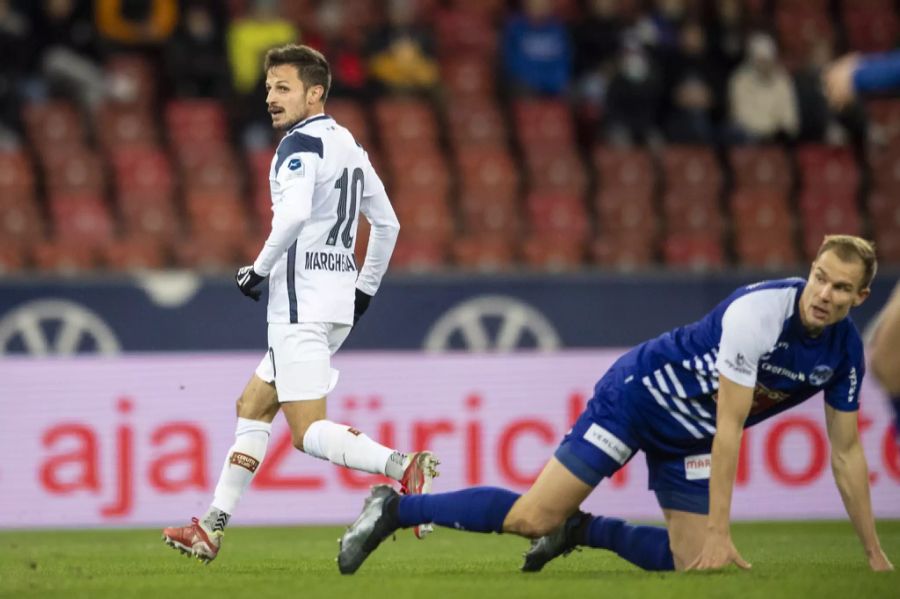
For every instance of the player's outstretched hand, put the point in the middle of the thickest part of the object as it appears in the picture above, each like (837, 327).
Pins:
(718, 552)
(879, 562)
(837, 81)
(360, 305)
(246, 280)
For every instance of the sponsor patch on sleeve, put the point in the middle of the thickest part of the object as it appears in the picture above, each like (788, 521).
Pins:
(608, 443)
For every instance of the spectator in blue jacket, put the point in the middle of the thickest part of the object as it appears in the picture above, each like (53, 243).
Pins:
(537, 51)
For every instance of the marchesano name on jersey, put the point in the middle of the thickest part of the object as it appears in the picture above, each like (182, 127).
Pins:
(330, 261)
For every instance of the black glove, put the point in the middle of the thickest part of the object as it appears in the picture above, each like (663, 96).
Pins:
(360, 305)
(246, 280)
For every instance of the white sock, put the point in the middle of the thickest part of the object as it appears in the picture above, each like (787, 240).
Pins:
(345, 446)
(244, 457)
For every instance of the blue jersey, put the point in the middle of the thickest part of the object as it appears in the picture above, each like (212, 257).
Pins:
(756, 339)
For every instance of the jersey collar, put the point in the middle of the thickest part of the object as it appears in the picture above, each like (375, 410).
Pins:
(308, 120)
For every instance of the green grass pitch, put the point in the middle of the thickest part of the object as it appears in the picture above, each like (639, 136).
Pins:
(797, 560)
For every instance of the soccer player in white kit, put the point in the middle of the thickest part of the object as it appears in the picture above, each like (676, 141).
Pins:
(321, 179)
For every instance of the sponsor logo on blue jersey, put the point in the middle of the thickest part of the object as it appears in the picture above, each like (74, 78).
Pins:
(820, 375)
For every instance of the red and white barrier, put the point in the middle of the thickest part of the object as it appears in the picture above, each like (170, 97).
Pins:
(140, 439)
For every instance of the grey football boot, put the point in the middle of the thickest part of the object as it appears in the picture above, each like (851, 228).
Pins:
(561, 541)
(368, 531)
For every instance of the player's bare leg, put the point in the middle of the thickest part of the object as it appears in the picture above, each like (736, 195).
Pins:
(686, 534)
(885, 353)
(554, 496)
(647, 547)
(256, 408)
(348, 447)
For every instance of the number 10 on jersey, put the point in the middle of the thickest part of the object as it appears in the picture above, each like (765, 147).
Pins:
(355, 187)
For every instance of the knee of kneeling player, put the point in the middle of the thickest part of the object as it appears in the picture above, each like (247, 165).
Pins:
(533, 524)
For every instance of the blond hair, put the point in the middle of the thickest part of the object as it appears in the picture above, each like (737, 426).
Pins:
(851, 247)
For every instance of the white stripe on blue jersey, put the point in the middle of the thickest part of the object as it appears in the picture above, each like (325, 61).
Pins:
(755, 338)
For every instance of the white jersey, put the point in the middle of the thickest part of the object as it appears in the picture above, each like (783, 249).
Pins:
(321, 180)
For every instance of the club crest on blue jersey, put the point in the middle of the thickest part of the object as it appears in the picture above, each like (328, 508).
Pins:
(820, 375)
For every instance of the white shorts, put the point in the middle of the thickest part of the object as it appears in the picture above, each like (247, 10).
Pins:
(299, 359)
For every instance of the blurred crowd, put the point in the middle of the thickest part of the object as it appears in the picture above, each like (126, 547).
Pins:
(549, 134)
(686, 71)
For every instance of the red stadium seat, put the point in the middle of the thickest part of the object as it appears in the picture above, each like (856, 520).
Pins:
(418, 255)
(799, 29)
(423, 173)
(625, 211)
(553, 253)
(828, 170)
(64, 257)
(350, 115)
(691, 169)
(624, 251)
(133, 253)
(216, 215)
(146, 213)
(468, 78)
(557, 215)
(475, 122)
(887, 245)
(16, 173)
(827, 214)
(142, 168)
(12, 257)
(20, 219)
(762, 248)
(53, 125)
(884, 119)
(625, 168)
(543, 123)
(196, 122)
(210, 253)
(463, 32)
(424, 216)
(406, 123)
(884, 209)
(488, 171)
(117, 126)
(760, 209)
(760, 167)
(885, 167)
(693, 251)
(560, 171)
(81, 218)
(486, 214)
(71, 170)
(363, 229)
(686, 212)
(209, 170)
(483, 253)
(870, 29)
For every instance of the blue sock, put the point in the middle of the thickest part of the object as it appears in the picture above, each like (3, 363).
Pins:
(646, 547)
(479, 509)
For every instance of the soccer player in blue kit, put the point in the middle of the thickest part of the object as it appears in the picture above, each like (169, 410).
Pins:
(683, 398)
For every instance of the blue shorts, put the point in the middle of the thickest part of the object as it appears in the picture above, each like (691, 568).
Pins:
(609, 433)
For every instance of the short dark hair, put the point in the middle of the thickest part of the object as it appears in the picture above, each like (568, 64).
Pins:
(851, 247)
(312, 68)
